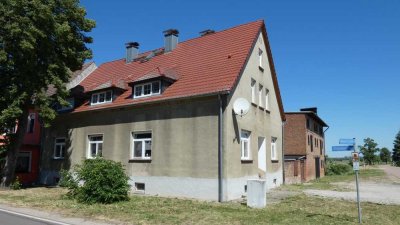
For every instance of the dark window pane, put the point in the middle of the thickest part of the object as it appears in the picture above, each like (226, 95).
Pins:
(156, 87)
(138, 90)
(137, 145)
(108, 96)
(142, 135)
(101, 97)
(94, 98)
(147, 89)
(147, 148)
(93, 149)
(100, 149)
(23, 164)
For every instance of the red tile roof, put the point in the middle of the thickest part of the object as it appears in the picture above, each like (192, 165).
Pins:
(205, 65)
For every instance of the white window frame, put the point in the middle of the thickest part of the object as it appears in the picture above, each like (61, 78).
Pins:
(97, 94)
(29, 122)
(143, 140)
(62, 148)
(260, 95)
(260, 57)
(253, 90)
(89, 152)
(243, 142)
(142, 88)
(274, 155)
(266, 99)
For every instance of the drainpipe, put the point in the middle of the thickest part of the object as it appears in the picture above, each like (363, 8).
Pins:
(283, 151)
(220, 120)
(325, 146)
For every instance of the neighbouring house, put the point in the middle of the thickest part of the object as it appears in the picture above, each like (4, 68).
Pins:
(167, 115)
(304, 146)
(28, 156)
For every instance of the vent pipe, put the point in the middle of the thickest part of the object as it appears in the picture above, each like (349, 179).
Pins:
(206, 32)
(170, 39)
(132, 51)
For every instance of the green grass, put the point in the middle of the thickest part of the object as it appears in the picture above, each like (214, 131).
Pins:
(328, 182)
(299, 209)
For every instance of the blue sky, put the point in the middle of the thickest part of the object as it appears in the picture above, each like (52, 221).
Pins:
(340, 56)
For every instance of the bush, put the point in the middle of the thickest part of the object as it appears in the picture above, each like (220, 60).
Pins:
(97, 181)
(16, 185)
(338, 169)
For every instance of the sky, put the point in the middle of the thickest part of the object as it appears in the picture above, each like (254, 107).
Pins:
(340, 56)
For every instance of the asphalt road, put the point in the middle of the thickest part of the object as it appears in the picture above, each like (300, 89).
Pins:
(13, 218)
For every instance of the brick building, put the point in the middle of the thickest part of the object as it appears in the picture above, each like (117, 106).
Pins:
(304, 146)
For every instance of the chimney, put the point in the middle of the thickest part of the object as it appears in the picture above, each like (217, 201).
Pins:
(170, 39)
(206, 32)
(312, 109)
(132, 51)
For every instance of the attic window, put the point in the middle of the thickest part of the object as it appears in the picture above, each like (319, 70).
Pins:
(147, 89)
(101, 97)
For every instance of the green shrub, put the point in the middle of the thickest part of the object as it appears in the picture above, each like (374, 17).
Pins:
(100, 181)
(16, 185)
(68, 181)
(338, 169)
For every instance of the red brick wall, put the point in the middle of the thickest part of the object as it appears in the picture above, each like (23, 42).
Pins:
(295, 134)
(290, 172)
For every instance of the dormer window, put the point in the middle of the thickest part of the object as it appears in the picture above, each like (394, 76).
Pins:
(71, 104)
(101, 97)
(147, 89)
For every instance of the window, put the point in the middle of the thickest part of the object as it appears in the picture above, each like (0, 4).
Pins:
(253, 90)
(274, 155)
(147, 89)
(266, 99)
(95, 146)
(260, 95)
(312, 145)
(71, 104)
(245, 144)
(23, 162)
(308, 137)
(101, 97)
(142, 145)
(260, 57)
(140, 187)
(31, 122)
(59, 148)
(308, 123)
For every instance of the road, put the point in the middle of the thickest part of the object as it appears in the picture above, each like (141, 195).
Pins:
(13, 218)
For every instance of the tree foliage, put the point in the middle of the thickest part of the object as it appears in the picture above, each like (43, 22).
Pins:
(41, 42)
(384, 155)
(396, 150)
(368, 150)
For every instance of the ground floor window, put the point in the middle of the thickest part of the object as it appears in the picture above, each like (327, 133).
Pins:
(142, 145)
(59, 148)
(95, 145)
(23, 162)
(245, 144)
(274, 155)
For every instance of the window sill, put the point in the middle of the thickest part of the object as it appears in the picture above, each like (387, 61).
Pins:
(261, 69)
(245, 161)
(267, 111)
(254, 104)
(57, 159)
(261, 107)
(140, 160)
(274, 160)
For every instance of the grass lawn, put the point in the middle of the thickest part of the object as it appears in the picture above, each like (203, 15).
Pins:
(328, 182)
(299, 209)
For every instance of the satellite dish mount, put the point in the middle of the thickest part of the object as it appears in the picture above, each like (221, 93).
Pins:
(241, 106)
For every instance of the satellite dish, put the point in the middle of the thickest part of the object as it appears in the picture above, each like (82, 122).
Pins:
(241, 106)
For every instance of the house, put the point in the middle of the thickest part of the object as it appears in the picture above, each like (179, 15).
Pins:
(304, 146)
(167, 115)
(28, 156)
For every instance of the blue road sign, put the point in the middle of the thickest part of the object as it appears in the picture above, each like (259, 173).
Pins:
(347, 141)
(343, 148)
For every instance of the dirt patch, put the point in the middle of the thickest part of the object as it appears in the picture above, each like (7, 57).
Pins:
(382, 191)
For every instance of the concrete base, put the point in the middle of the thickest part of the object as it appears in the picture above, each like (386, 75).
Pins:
(256, 193)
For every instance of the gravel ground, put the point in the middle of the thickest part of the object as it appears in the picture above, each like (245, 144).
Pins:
(376, 192)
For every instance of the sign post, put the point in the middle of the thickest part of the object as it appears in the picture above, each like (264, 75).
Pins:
(351, 145)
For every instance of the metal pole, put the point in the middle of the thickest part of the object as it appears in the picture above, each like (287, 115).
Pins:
(358, 191)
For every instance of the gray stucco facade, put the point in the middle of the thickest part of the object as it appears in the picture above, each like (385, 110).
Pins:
(184, 139)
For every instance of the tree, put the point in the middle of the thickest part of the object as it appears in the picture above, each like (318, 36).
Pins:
(41, 41)
(396, 150)
(384, 154)
(368, 150)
